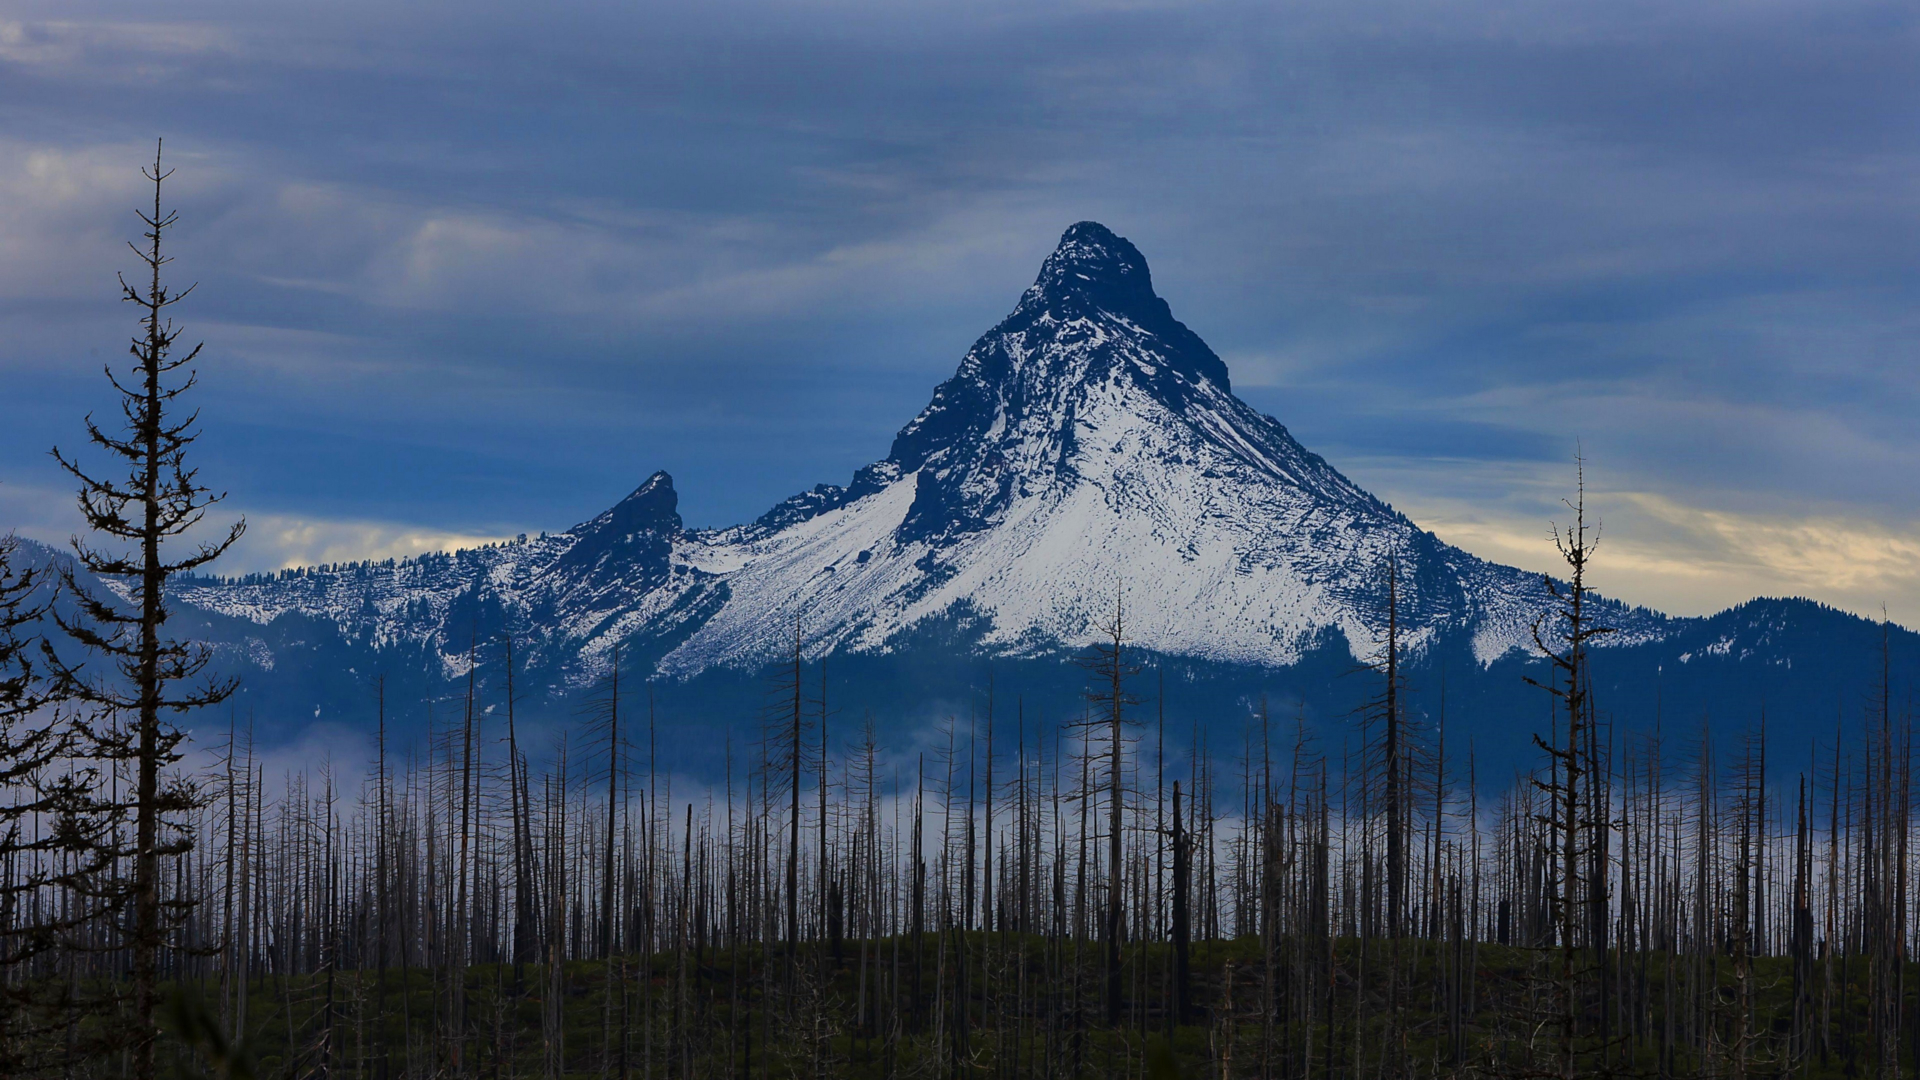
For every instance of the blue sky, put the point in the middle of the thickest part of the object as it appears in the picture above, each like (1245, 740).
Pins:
(474, 269)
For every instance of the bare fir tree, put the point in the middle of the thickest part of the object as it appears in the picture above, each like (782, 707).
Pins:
(1575, 825)
(1109, 667)
(138, 518)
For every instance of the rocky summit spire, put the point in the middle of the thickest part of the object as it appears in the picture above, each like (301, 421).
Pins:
(1089, 339)
(1096, 268)
(1096, 276)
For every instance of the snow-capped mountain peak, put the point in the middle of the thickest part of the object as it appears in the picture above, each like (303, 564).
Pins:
(1089, 444)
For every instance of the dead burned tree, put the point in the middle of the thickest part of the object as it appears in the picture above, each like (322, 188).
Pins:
(1571, 815)
(1110, 668)
(1390, 710)
(21, 691)
(32, 741)
(787, 737)
(153, 679)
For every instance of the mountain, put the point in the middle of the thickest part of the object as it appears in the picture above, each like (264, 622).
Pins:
(1088, 451)
(1090, 446)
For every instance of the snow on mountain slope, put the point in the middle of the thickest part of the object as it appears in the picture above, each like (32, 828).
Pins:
(569, 597)
(1089, 446)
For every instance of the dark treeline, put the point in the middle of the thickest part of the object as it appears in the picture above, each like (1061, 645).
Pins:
(1010, 895)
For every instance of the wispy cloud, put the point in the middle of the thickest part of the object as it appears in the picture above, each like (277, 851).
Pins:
(104, 47)
(1687, 559)
(279, 541)
(1808, 556)
(273, 541)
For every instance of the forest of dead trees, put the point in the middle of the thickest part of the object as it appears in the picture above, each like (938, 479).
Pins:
(1126, 891)
(1027, 896)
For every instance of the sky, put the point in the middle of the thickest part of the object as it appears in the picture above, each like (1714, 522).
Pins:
(473, 269)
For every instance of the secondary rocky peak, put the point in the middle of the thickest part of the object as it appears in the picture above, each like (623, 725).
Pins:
(637, 533)
(652, 507)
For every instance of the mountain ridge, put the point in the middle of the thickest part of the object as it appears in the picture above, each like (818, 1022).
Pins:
(1088, 445)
